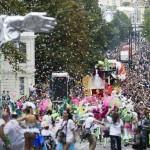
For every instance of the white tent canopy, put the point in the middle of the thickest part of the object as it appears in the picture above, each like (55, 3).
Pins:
(61, 74)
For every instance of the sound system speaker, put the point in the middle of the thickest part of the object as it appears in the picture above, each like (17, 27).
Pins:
(59, 86)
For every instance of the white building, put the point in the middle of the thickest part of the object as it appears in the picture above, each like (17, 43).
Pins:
(139, 8)
(18, 83)
(134, 9)
(109, 3)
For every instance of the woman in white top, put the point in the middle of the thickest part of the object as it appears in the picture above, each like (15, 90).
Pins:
(66, 132)
(48, 118)
(116, 125)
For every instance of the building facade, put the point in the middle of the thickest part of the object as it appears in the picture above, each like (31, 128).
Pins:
(134, 9)
(139, 8)
(109, 3)
(17, 83)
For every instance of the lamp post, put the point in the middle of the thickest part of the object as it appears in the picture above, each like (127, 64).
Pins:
(0, 85)
(0, 72)
(130, 47)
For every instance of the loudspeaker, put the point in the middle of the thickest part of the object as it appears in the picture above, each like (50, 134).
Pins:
(59, 86)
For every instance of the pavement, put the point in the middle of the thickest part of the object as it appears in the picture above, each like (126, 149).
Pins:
(100, 146)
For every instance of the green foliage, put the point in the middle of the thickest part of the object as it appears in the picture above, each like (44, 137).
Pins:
(119, 29)
(97, 30)
(146, 30)
(13, 55)
(12, 7)
(66, 48)
(78, 41)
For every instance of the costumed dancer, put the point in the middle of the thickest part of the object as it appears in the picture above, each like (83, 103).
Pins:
(30, 130)
(45, 105)
(127, 118)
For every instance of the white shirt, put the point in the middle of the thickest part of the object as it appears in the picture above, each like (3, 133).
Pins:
(48, 119)
(14, 132)
(89, 122)
(45, 132)
(68, 129)
(115, 129)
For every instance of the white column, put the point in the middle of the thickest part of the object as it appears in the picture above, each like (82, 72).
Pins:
(29, 39)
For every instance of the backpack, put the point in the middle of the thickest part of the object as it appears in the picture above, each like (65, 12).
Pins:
(61, 135)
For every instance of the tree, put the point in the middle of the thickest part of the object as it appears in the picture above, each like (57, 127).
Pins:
(12, 7)
(10, 51)
(146, 30)
(77, 41)
(66, 48)
(97, 28)
(120, 28)
(14, 55)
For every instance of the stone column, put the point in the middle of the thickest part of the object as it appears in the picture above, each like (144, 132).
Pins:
(29, 39)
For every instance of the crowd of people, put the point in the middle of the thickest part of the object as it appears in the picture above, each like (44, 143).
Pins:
(28, 126)
(137, 85)
(118, 117)
(51, 130)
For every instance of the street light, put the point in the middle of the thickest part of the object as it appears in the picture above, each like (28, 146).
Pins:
(130, 47)
(0, 72)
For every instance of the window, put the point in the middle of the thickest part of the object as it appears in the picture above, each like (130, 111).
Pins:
(22, 48)
(21, 85)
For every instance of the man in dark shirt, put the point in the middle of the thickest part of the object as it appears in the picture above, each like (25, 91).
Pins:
(145, 130)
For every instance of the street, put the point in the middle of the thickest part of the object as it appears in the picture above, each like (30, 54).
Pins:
(84, 146)
(74, 72)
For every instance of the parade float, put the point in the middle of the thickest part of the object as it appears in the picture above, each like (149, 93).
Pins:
(104, 77)
(102, 94)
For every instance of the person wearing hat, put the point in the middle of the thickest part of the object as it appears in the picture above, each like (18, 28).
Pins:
(48, 135)
(45, 129)
(88, 132)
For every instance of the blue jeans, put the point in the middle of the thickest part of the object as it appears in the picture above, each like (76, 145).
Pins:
(115, 142)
